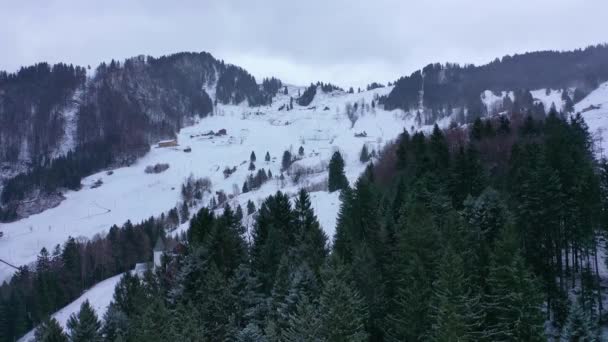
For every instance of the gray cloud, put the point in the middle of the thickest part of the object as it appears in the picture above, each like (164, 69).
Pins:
(346, 42)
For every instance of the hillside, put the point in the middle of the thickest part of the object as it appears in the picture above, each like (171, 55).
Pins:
(167, 138)
(131, 194)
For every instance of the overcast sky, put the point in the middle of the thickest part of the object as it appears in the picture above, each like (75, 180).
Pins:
(346, 42)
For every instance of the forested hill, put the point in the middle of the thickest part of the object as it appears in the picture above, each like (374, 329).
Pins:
(61, 125)
(485, 233)
(447, 89)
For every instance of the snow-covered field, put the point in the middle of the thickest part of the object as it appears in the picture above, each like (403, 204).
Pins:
(130, 194)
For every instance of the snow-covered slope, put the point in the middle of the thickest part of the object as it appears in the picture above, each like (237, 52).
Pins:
(99, 296)
(548, 97)
(131, 194)
(594, 109)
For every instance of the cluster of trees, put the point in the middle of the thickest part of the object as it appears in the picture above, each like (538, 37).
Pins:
(451, 86)
(447, 238)
(236, 85)
(61, 275)
(307, 96)
(226, 287)
(31, 105)
(309, 93)
(374, 85)
(328, 87)
(255, 182)
(272, 86)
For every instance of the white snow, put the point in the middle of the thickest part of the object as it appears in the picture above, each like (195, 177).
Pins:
(99, 296)
(549, 97)
(594, 109)
(131, 194)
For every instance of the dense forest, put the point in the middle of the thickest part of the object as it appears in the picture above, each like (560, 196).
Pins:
(31, 104)
(483, 233)
(119, 111)
(446, 88)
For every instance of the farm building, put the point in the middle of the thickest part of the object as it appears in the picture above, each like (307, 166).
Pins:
(168, 143)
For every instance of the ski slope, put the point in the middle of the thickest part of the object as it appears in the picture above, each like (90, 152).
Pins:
(99, 296)
(130, 194)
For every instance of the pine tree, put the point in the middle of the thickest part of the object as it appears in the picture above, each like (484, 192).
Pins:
(251, 333)
(403, 150)
(84, 326)
(50, 331)
(579, 327)
(184, 212)
(251, 166)
(341, 311)
(364, 156)
(477, 130)
(414, 267)
(304, 324)
(115, 324)
(153, 324)
(440, 154)
(267, 158)
(250, 207)
(301, 151)
(312, 239)
(272, 236)
(252, 157)
(249, 303)
(513, 301)
(286, 161)
(455, 312)
(337, 179)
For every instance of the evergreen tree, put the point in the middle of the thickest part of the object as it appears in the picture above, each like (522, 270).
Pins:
(579, 327)
(251, 166)
(115, 324)
(455, 309)
(513, 302)
(438, 147)
(342, 312)
(252, 157)
(364, 156)
(301, 151)
(50, 331)
(312, 239)
(286, 161)
(477, 130)
(304, 324)
(337, 179)
(250, 207)
(403, 150)
(272, 236)
(84, 326)
(267, 157)
(251, 333)
(184, 212)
